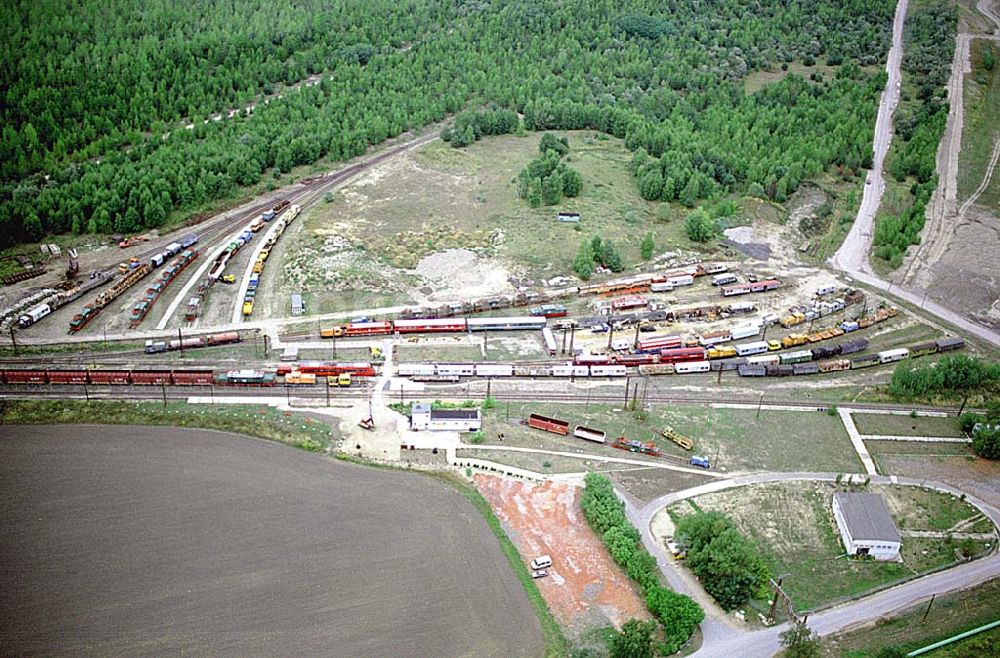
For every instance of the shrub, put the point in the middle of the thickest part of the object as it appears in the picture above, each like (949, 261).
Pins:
(729, 565)
(605, 514)
(699, 226)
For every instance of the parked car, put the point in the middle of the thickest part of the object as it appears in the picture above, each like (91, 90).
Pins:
(674, 549)
(539, 573)
(541, 562)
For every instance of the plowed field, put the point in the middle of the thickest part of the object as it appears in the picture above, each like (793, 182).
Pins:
(160, 541)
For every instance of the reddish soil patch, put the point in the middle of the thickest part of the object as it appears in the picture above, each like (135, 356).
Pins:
(584, 587)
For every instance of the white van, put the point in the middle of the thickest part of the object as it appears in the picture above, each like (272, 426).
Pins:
(541, 562)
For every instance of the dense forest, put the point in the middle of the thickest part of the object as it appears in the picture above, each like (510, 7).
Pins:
(96, 94)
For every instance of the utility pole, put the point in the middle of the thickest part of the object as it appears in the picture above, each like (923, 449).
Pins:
(328, 392)
(611, 332)
(572, 338)
(163, 388)
(180, 341)
(928, 610)
(626, 390)
(635, 343)
(760, 404)
(563, 348)
(489, 389)
(266, 339)
(13, 342)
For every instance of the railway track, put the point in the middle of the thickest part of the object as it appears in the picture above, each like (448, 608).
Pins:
(158, 392)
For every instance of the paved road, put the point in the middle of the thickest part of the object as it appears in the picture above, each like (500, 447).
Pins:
(852, 257)
(722, 640)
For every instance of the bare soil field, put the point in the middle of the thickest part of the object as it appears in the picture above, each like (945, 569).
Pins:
(162, 541)
(584, 587)
(980, 477)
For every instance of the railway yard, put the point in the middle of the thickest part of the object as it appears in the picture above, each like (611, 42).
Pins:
(695, 369)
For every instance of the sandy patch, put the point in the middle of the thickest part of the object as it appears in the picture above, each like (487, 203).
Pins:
(461, 273)
(584, 587)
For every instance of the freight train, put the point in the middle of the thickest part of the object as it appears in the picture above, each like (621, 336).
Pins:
(211, 340)
(658, 282)
(804, 362)
(436, 325)
(184, 377)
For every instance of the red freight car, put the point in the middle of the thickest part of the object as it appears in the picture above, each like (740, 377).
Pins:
(151, 377)
(368, 328)
(548, 424)
(192, 377)
(682, 354)
(428, 326)
(656, 343)
(322, 369)
(67, 376)
(109, 377)
(24, 376)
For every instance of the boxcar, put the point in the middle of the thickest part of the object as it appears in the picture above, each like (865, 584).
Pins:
(691, 366)
(682, 354)
(948, 344)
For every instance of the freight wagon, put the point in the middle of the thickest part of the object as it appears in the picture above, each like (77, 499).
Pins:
(151, 377)
(550, 341)
(330, 369)
(691, 367)
(682, 354)
(548, 424)
(442, 325)
(891, 356)
(588, 434)
(657, 343)
(746, 349)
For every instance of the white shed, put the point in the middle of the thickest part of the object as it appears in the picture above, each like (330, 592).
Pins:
(865, 525)
(423, 417)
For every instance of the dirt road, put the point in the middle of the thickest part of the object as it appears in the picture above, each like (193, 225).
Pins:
(853, 254)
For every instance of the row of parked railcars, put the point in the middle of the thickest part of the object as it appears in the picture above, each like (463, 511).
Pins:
(434, 326)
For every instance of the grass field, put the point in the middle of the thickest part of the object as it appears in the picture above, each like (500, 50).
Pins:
(183, 541)
(980, 131)
(735, 439)
(949, 615)
(259, 421)
(907, 426)
(793, 524)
